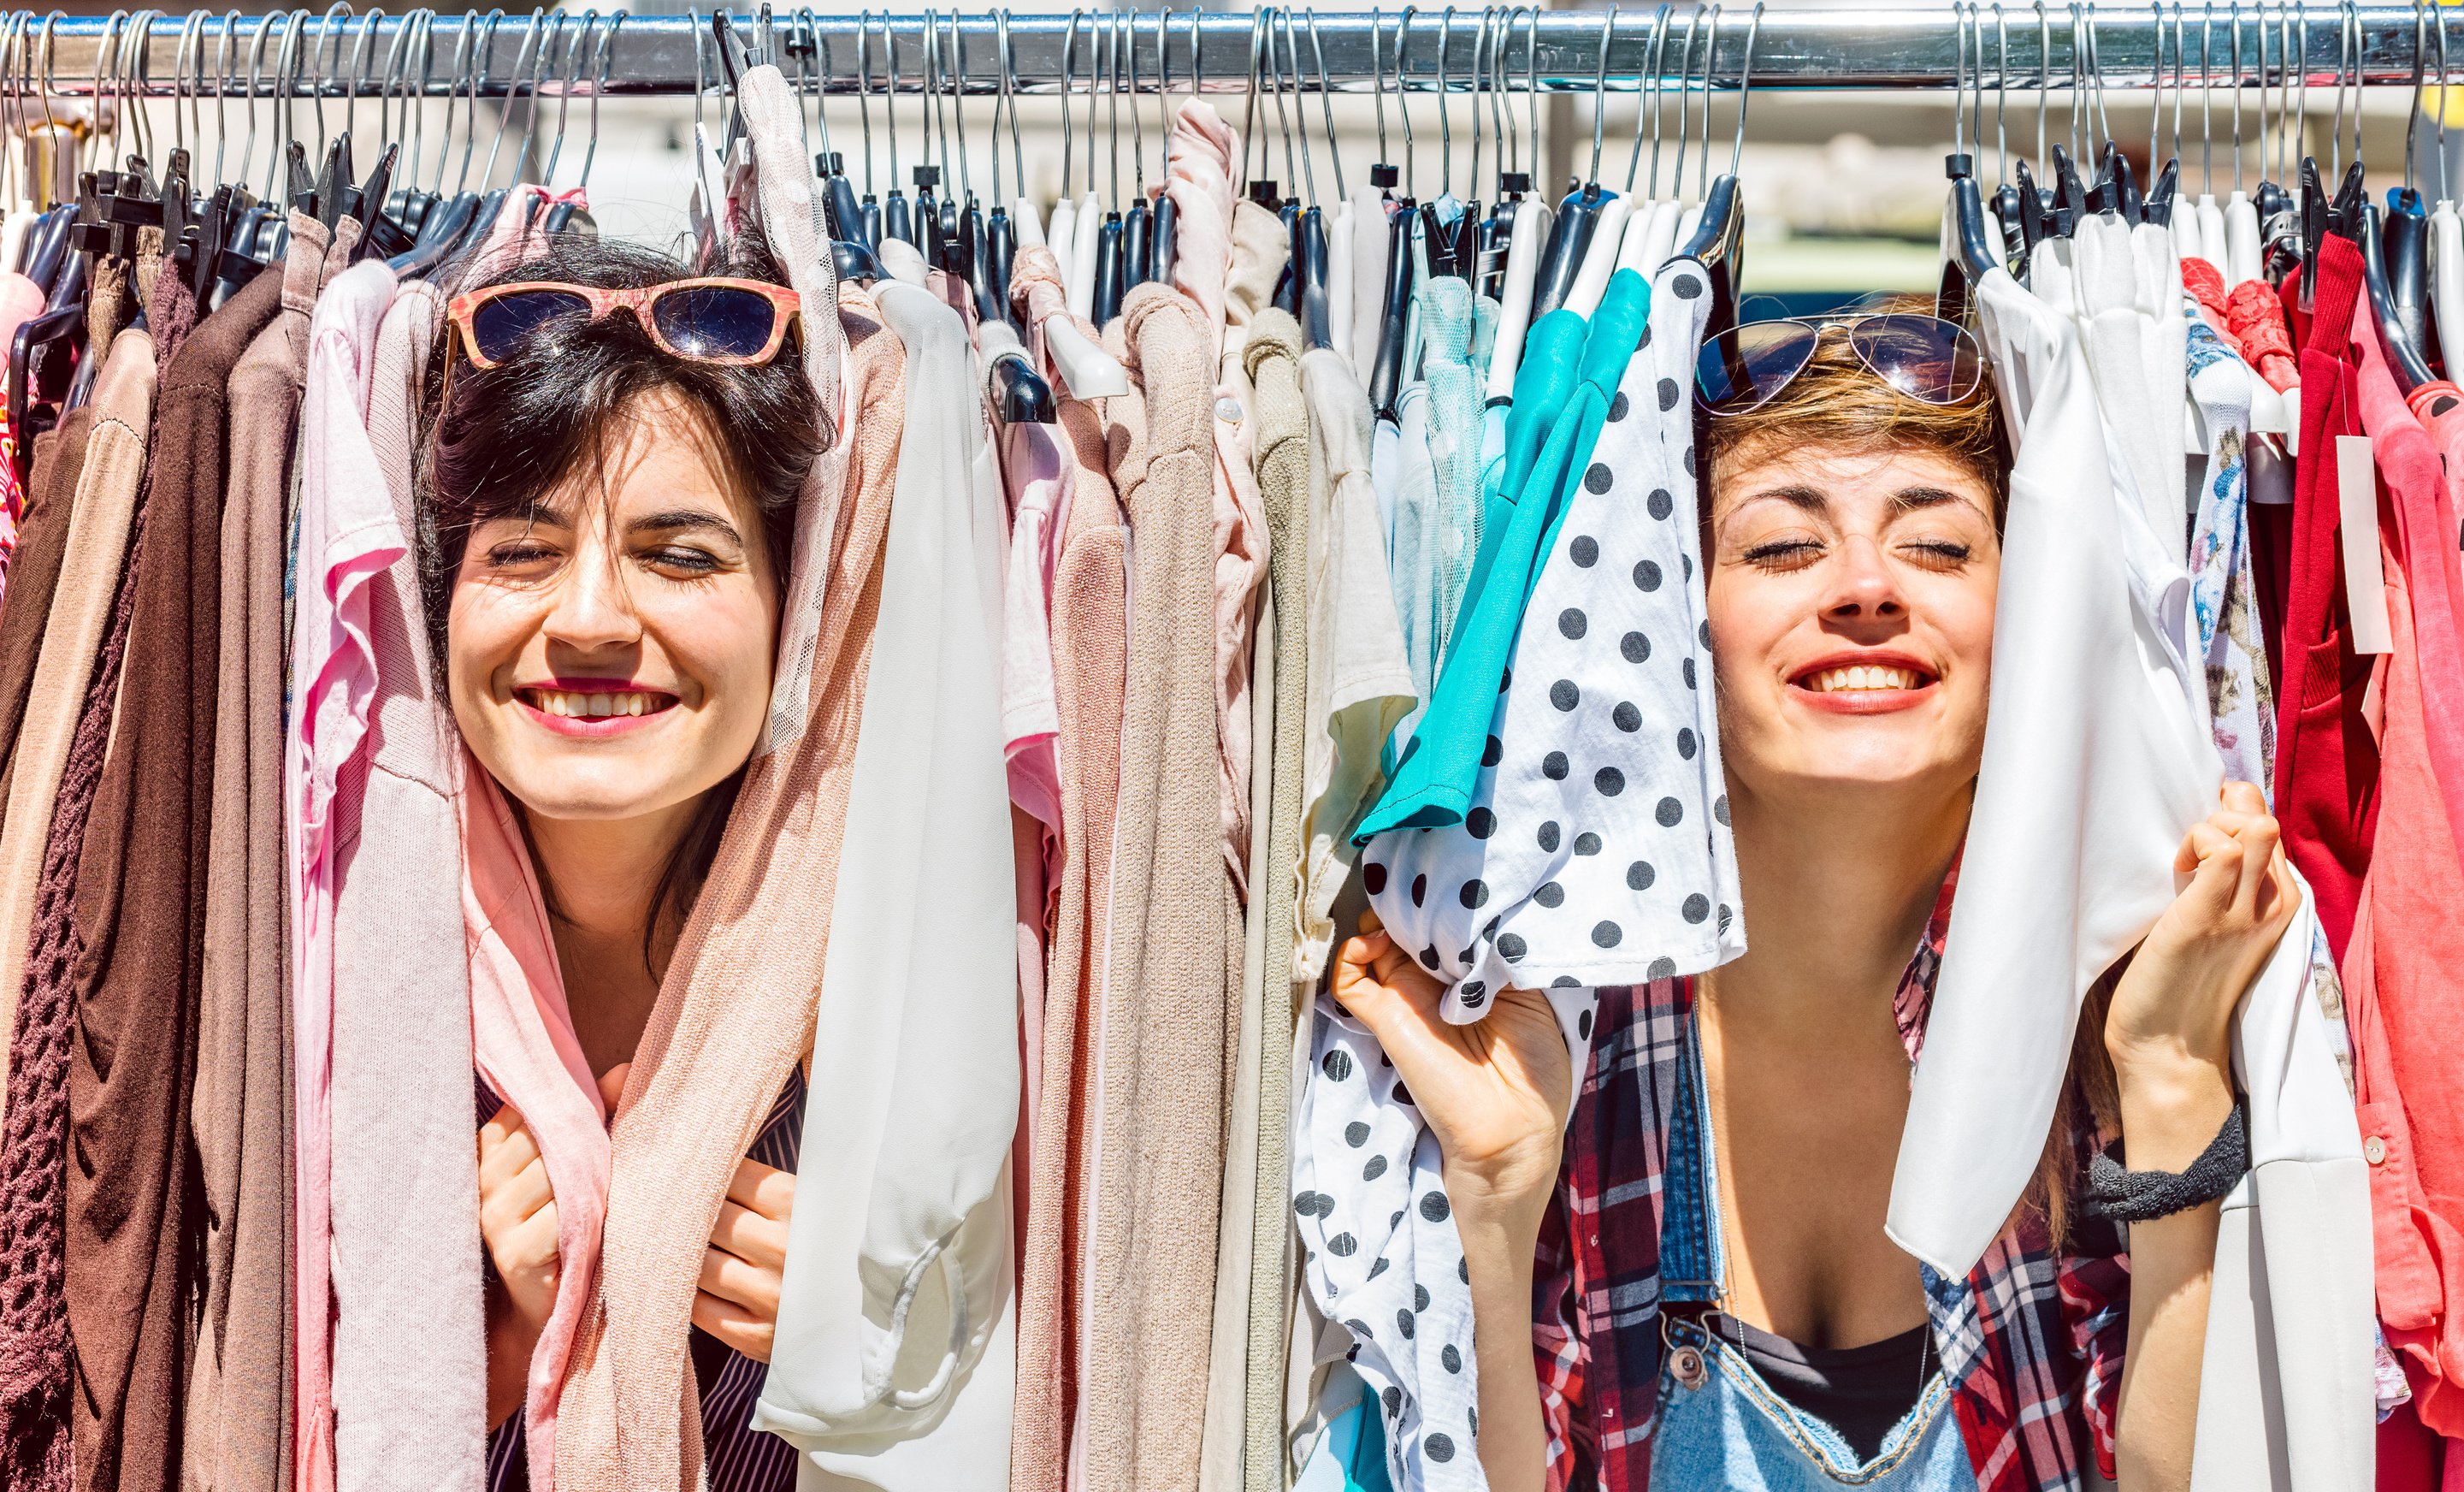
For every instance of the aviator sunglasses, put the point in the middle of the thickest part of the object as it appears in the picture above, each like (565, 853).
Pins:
(711, 319)
(1926, 358)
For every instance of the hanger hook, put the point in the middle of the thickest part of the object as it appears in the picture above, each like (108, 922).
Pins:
(1745, 83)
(574, 52)
(1658, 56)
(1711, 65)
(1600, 90)
(1325, 98)
(1478, 95)
(1446, 125)
(1403, 98)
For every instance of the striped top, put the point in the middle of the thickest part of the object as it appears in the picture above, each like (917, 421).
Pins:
(735, 1456)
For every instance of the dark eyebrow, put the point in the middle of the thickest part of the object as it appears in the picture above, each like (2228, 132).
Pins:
(1796, 495)
(1909, 500)
(681, 520)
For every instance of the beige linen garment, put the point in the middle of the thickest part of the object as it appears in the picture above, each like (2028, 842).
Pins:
(1272, 357)
(1090, 642)
(104, 508)
(239, 1409)
(1175, 935)
(737, 1007)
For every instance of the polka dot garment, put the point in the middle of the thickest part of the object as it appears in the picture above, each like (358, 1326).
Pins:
(1596, 851)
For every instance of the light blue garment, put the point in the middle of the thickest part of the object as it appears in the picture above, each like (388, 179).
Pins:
(1350, 1456)
(1729, 1428)
(1413, 562)
(1452, 436)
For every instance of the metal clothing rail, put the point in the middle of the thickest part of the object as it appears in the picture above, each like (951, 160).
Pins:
(2019, 46)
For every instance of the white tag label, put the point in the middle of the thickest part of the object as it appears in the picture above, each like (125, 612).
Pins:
(2357, 499)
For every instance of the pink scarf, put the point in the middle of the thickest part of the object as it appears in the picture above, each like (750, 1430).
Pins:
(522, 1040)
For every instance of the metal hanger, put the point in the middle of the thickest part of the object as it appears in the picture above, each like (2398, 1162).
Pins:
(1309, 268)
(1110, 263)
(1395, 307)
(1579, 212)
(1717, 244)
(1137, 222)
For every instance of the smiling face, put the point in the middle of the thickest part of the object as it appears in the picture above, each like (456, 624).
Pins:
(609, 650)
(1850, 597)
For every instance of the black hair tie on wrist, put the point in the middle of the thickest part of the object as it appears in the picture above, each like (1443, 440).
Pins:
(2137, 1196)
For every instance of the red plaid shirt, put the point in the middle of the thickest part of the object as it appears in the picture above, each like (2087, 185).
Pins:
(2032, 1340)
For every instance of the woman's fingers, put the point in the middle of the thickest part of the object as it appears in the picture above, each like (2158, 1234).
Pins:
(731, 1279)
(762, 1189)
(757, 1240)
(734, 1325)
(517, 1197)
(505, 1147)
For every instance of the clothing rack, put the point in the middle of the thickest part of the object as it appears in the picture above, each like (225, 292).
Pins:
(2052, 48)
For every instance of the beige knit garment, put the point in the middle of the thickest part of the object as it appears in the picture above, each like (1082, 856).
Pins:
(1175, 935)
(1272, 358)
(737, 1007)
(98, 525)
(1089, 639)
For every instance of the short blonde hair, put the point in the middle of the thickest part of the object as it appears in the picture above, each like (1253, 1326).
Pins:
(1836, 402)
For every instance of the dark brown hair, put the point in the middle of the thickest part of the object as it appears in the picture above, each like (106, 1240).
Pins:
(496, 441)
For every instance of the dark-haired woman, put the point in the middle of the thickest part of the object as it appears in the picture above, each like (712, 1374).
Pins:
(1852, 547)
(608, 498)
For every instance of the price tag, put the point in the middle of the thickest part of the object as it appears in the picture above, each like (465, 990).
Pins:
(2356, 501)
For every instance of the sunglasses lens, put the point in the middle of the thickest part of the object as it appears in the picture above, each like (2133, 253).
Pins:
(1927, 359)
(714, 320)
(1745, 366)
(502, 324)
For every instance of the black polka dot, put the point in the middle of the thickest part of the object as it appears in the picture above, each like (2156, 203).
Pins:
(1404, 1324)
(1510, 948)
(1343, 1245)
(1647, 575)
(1554, 766)
(1686, 668)
(1584, 552)
(1504, 679)
(1375, 1168)
(1550, 895)
(1583, 1025)
(1565, 982)
(1698, 906)
(1647, 338)
(1571, 624)
(1492, 752)
(1706, 634)
(1314, 1203)
(1355, 1134)
(1420, 890)
(1668, 394)
(1564, 694)
(1481, 823)
(1662, 968)
(1607, 934)
(1720, 808)
(1687, 561)
(1419, 1297)
(1598, 480)
(1685, 743)
(1628, 718)
(1392, 1397)
(1618, 408)
(1452, 1357)
(1337, 1064)
(1436, 1447)
(1474, 894)
(1429, 957)
(1463, 1270)
(1685, 287)
(1609, 782)
(1380, 1267)
(1473, 1419)
(1490, 928)
(1373, 876)
(1689, 460)
(1640, 875)
(1401, 1094)
(1433, 1206)
(1660, 505)
(1728, 915)
(1548, 832)
(1464, 957)
(1670, 812)
(1586, 844)
(1635, 647)
(1474, 993)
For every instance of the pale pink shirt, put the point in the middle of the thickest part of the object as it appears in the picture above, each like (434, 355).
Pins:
(1036, 472)
(1200, 153)
(347, 535)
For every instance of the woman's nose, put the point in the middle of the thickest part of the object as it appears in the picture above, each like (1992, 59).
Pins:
(1864, 588)
(592, 609)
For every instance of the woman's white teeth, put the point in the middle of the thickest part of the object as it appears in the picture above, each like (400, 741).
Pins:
(593, 706)
(1863, 677)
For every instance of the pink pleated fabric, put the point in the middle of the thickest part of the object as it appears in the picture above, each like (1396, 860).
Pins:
(523, 1043)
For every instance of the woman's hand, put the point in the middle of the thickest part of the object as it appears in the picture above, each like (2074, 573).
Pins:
(2173, 1007)
(737, 1301)
(1495, 1092)
(518, 1222)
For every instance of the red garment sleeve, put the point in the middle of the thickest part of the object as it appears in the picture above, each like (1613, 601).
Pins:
(2255, 317)
(1557, 1346)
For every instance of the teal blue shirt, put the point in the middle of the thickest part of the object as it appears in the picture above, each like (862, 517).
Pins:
(1570, 373)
